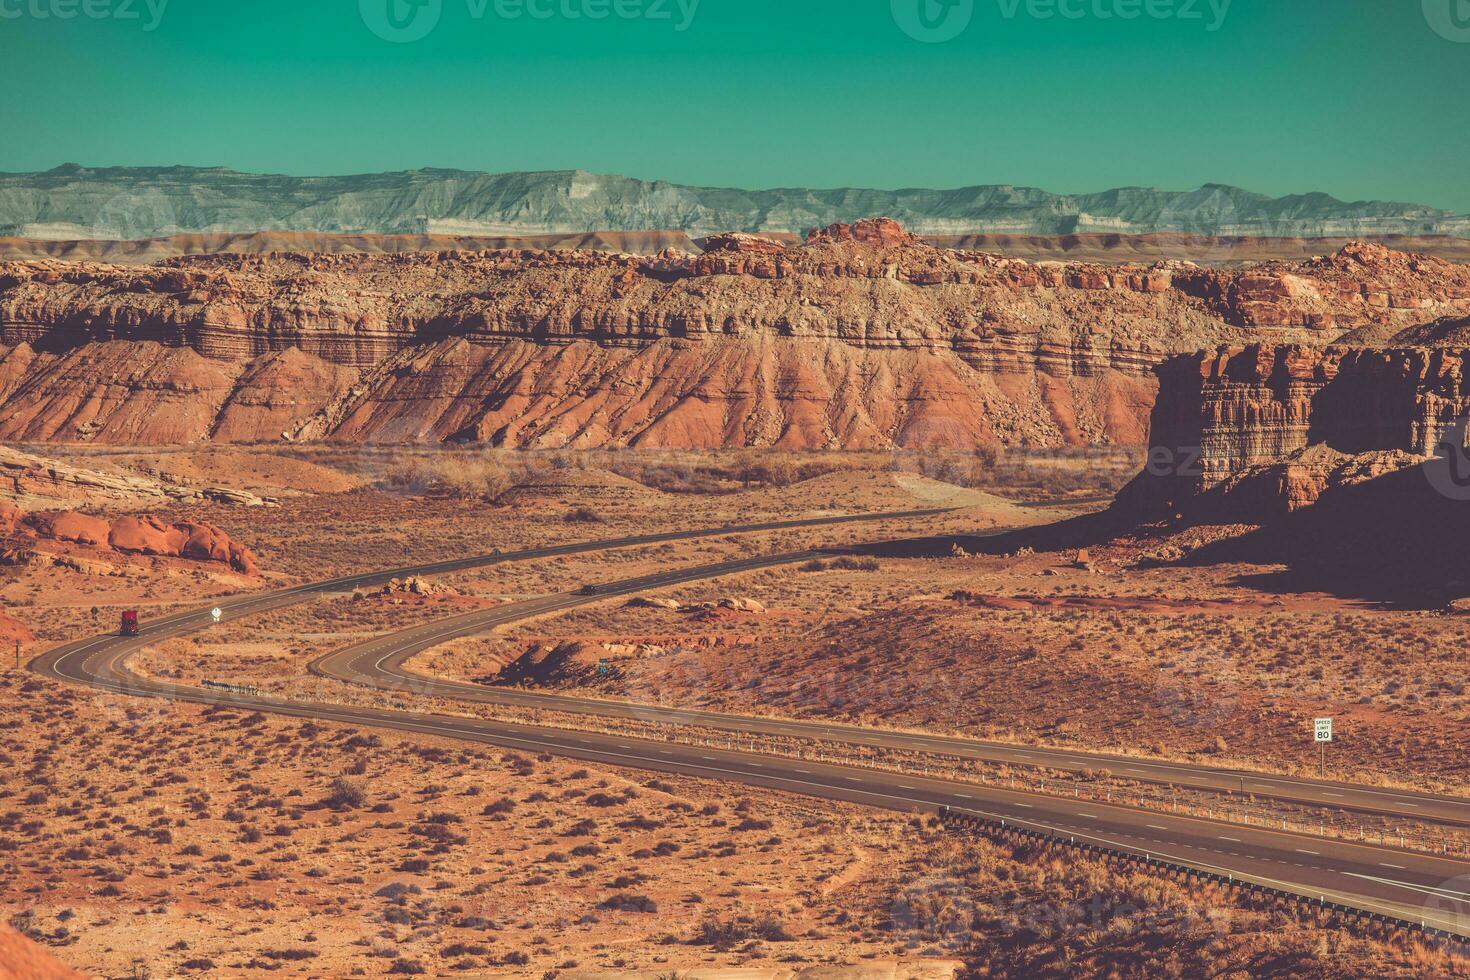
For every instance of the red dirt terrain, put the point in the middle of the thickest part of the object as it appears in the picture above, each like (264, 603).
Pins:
(861, 337)
(56, 535)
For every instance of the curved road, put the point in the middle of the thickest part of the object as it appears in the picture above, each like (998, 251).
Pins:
(1407, 885)
(380, 663)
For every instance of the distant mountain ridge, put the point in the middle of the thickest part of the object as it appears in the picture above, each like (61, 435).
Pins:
(73, 202)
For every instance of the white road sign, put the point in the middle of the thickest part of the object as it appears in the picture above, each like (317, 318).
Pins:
(1324, 729)
(217, 613)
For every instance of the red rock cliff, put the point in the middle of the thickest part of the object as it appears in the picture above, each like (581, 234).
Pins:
(861, 336)
(1274, 426)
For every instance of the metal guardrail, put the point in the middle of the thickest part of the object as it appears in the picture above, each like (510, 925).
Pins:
(1005, 826)
(244, 689)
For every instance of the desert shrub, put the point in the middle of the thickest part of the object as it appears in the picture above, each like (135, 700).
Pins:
(628, 903)
(604, 800)
(726, 934)
(582, 828)
(503, 805)
(404, 965)
(290, 954)
(346, 794)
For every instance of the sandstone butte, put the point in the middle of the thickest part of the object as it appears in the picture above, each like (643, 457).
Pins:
(132, 535)
(1261, 431)
(860, 337)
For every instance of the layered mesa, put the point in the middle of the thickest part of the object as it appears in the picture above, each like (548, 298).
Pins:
(861, 337)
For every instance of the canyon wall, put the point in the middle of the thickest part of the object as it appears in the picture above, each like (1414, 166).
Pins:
(863, 336)
(1257, 431)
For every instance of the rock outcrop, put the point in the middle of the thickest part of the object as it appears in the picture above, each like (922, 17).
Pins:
(134, 535)
(861, 337)
(27, 479)
(1261, 430)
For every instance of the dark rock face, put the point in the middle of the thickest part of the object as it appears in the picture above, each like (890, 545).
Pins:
(1269, 429)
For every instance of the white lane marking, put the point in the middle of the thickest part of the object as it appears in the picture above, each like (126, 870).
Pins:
(1338, 795)
(1426, 889)
(1303, 850)
(1396, 867)
(1233, 840)
(964, 796)
(350, 717)
(1154, 826)
(1026, 805)
(1089, 816)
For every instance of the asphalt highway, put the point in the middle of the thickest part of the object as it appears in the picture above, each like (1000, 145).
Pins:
(1403, 884)
(380, 662)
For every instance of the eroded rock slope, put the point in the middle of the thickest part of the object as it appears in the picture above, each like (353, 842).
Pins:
(861, 337)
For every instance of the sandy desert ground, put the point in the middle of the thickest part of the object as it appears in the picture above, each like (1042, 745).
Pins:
(140, 839)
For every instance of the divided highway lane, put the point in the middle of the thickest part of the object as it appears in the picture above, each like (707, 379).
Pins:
(380, 663)
(194, 620)
(1410, 886)
(1407, 885)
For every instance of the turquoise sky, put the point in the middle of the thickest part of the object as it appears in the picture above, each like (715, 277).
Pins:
(1359, 98)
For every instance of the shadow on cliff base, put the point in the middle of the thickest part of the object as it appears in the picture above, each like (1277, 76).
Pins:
(1401, 539)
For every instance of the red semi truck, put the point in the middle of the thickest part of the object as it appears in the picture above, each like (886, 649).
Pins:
(129, 623)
